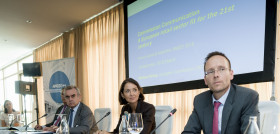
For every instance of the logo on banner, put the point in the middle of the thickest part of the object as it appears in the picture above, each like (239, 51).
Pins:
(58, 81)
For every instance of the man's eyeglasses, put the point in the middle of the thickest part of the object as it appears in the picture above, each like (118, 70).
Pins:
(212, 71)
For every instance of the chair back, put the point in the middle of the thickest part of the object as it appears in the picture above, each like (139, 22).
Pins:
(161, 113)
(104, 124)
(269, 117)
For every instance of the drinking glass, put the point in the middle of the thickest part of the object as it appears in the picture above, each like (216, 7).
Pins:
(135, 123)
(20, 119)
(63, 128)
(11, 118)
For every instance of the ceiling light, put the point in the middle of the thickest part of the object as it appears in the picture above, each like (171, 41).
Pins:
(29, 21)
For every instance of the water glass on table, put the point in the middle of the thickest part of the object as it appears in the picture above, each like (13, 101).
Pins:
(20, 119)
(135, 123)
(11, 118)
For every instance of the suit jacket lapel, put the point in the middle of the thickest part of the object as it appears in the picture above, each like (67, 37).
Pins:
(57, 112)
(77, 116)
(138, 107)
(67, 112)
(208, 115)
(227, 109)
(208, 118)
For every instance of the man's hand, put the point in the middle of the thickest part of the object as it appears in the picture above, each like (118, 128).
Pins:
(38, 127)
(54, 127)
(101, 132)
(50, 129)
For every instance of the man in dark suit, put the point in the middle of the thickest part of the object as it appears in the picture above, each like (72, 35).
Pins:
(80, 117)
(226, 107)
(56, 119)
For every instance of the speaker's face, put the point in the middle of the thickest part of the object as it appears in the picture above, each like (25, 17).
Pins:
(219, 75)
(9, 105)
(131, 93)
(72, 98)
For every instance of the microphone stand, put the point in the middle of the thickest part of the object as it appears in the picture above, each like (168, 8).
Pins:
(25, 118)
(11, 128)
(170, 114)
(26, 126)
(101, 119)
(159, 125)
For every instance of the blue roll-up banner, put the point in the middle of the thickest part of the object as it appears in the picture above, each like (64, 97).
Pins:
(56, 75)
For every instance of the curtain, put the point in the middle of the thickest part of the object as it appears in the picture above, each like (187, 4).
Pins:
(98, 48)
(277, 56)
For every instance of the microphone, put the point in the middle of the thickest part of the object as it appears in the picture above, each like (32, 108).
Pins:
(102, 118)
(169, 115)
(172, 112)
(34, 121)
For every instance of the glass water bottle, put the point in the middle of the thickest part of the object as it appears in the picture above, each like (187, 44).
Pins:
(123, 126)
(252, 127)
(63, 128)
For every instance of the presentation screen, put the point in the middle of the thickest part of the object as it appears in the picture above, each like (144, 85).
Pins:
(168, 40)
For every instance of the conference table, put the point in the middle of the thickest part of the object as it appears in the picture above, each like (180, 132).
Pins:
(22, 130)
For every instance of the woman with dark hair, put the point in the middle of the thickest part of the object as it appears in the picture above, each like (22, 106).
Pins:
(132, 97)
(8, 109)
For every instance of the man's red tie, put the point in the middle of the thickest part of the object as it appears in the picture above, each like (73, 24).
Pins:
(215, 129)
(58, 118)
